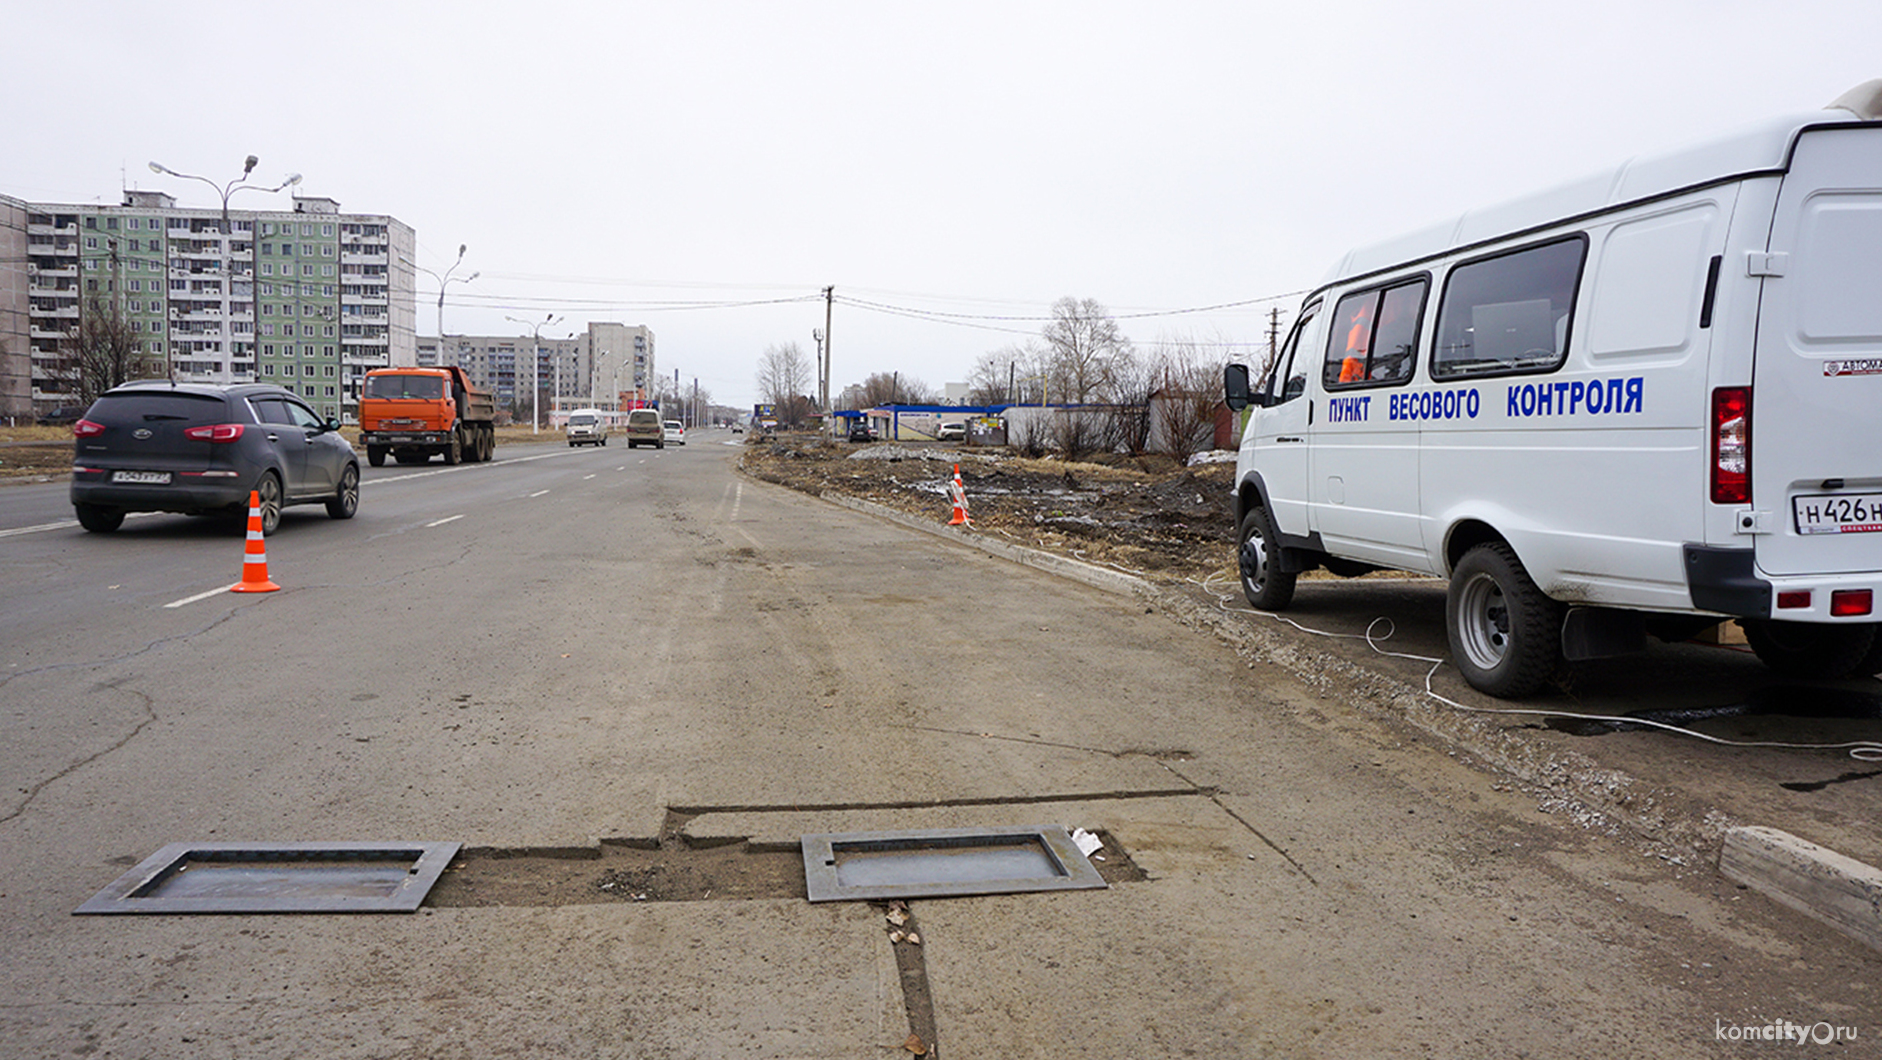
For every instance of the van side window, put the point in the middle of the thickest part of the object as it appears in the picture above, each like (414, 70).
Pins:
(1509, 313)
(1375, 336)
(1290, 366)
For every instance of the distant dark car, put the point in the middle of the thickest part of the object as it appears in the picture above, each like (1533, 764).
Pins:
(862, 432)
(61, 417)
(199, 449)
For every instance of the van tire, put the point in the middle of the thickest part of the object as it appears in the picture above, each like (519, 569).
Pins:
(1256, 558)
(1811, 650)
(1505, 634)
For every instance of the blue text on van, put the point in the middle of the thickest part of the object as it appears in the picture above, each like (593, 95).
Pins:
(1595, 396)
(1435, 405)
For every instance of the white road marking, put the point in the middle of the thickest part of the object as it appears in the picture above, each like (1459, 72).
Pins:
(585, 478)
(38, 529)
(538, 493)
(198, 596)
(446, 519)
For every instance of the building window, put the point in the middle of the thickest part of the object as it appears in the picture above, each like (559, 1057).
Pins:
(307, 270)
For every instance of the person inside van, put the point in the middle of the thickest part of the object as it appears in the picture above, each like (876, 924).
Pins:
(1358, 335)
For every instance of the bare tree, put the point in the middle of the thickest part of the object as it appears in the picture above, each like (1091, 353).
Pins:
(1188, 384)
(1086, 347)
(103, 351)
(784, 378)
(1008, 375)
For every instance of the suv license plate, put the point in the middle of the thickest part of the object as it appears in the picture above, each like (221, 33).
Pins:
(158, 478)
(1842, 513)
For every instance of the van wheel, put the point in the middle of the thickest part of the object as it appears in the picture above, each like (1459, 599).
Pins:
(1263, 583)
(1505, 634)
(1807, 649)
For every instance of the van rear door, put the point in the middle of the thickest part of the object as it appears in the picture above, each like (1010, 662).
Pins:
(1816, 414)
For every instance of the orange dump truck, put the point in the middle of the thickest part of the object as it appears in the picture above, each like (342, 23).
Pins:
(415, 412)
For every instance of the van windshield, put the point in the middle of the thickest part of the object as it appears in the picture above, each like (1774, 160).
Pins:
(581, 421)
(405, 387)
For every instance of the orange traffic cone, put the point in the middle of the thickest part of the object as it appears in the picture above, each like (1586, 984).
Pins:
(255, 559)
(960, 501)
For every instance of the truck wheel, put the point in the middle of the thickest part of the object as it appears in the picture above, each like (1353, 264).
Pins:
(489, 438)
(454, 451)
(345, 499)
(99, 519)
(1808, 649)
(376, 455)
(1506, 635)
(1263, 582)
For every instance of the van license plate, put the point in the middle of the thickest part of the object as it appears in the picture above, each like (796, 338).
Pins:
(157, 478)
(1843, 513)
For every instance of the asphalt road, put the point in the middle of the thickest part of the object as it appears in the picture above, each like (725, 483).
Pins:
(564, 648)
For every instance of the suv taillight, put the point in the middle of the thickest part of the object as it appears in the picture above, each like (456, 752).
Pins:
(220, 432)
(88, 429)
(1731, 445)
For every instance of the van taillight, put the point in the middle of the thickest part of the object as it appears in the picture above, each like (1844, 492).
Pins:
(220, 432)
(1731, 445)
(88, 429)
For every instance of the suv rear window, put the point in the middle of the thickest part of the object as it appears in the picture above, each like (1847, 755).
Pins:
(159, 405)
(643, 418)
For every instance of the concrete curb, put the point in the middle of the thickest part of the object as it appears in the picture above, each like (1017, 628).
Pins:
(1837, 890)
(1816, 881)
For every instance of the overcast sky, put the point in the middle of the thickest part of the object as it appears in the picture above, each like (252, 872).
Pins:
(951, 168)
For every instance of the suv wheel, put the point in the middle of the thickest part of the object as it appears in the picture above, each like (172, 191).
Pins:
(99, 519)
(346, 500)
(268, 492)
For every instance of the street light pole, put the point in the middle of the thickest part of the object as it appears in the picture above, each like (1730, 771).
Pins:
(223, 191)
(445, 281)
(535, 365)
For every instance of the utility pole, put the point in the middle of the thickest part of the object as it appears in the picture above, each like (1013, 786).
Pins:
(829, 298)
(1274, 334)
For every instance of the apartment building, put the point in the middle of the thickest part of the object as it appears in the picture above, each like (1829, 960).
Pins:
(16, 356)
(309, 298)
(606, 364)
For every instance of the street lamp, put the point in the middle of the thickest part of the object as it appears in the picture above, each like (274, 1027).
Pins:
(224, 191)
(535, 365)
(233, 186)
(445, 281)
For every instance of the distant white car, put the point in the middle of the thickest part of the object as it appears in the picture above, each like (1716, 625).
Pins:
(951, 432)
(675, 432)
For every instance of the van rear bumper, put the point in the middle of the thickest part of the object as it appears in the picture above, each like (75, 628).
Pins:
(1726, 580)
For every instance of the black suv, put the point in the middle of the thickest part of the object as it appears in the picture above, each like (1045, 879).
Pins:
(197, 449)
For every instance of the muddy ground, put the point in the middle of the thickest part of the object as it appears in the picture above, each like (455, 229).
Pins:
(1147, 515)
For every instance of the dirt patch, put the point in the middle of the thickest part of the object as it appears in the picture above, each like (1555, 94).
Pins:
(668, 870)
(1146, 515)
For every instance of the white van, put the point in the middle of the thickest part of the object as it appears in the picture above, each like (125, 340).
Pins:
(587, 427)
(1638, 403)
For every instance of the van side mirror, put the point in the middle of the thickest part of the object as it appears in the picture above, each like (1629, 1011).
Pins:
(1235, 387)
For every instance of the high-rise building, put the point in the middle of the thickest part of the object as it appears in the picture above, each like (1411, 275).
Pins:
(308, 298)
(607, 366)
(16, 355)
